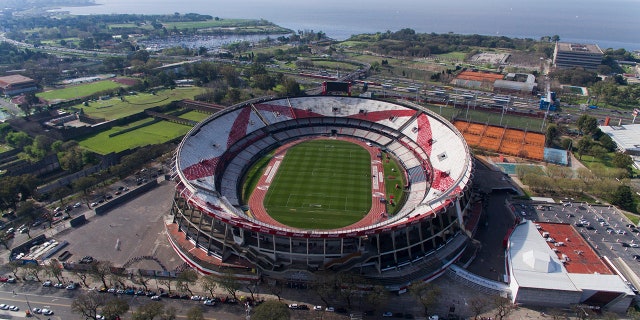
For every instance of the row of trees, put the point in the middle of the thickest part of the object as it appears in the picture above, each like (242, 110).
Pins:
(607, 179)
(406, 42)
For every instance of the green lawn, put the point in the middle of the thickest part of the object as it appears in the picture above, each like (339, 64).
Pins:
(114, 108)
(321, 184)
(78, 91)
(393, 175)
(194, 115)
(159, 132)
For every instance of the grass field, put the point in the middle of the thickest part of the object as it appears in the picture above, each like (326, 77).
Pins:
(194, 115)
(78, 91)
(321, 184)
(159, 132)
(114, 108)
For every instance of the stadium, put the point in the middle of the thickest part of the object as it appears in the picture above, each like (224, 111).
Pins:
(217, 227)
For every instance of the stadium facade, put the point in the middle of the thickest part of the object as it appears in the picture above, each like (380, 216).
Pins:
(214, 229)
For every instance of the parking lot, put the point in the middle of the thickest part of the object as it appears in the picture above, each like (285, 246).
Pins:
(118, 235)
(609, 232)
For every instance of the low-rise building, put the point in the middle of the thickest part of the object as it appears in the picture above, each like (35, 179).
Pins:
(16, 84)
(572, 55)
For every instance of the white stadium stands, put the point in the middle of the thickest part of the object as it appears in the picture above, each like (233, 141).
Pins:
(214, 156)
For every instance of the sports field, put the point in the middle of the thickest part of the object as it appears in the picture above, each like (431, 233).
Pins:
(321, 184)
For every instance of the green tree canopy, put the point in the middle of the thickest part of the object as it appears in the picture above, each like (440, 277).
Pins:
(587, 124)
(623, 197)
(621, 160)
(271, 310)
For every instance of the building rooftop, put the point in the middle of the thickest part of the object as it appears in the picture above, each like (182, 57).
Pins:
(13, 79)
(568, 263)
(627, 137)
(579, 48)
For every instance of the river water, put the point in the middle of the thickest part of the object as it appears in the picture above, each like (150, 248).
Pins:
(607, 23)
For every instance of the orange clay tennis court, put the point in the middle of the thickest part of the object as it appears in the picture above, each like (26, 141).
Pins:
(498, 139)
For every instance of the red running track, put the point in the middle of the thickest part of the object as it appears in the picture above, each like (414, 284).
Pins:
(376, 213)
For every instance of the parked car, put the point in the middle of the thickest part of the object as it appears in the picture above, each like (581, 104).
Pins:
(209, 302)
(155, 298)
(317, 308)
(47, 283)
(72, 286)
(47, 312)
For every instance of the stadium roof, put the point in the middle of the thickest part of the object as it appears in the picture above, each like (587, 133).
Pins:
(534, 264)
(627, 136)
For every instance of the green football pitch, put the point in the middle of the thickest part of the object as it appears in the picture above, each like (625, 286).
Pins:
(321, 184)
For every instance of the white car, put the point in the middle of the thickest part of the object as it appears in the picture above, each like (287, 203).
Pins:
(36, 310)
(317, 308)
(634, 245)
(77, 205)
(4, 307)
(100, 317)
(14, 308)
(47, 312)
(209, 302)
(330, 309)
(47, 283)
(155, 298)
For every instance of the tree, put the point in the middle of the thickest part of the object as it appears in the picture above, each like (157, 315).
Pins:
(167, 282)
(598, 151)
(583, 146)
(229, 283)
(169, 313)
(209, 283)
(606, 141)
(623, 197)
(552, 134)
(114, 308)
(33, 270)
(186, 278)
(271, 310)
(142, 281)
(291, 87)
(87, 304)
(325, 286)
(478, 305)
(502, 307)
(148, 311)
(621, 160)
(85, 184)
(53, 269)
(100, 271)
(587, 124)
(350, 286)
(427, 294)
(195, 313)
(14, 267)
(4, 239)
